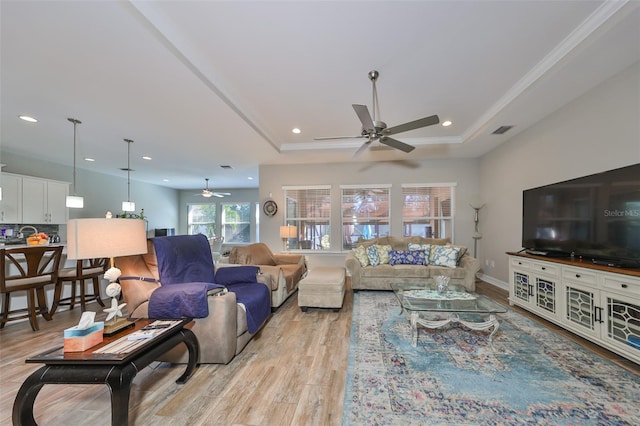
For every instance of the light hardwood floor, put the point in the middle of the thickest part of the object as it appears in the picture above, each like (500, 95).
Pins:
(292, 373)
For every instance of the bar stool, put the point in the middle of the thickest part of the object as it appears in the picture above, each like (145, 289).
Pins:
(88, 269)
(28, 269)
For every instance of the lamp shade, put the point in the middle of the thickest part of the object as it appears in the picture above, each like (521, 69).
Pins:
(98, 237)
(288, 231)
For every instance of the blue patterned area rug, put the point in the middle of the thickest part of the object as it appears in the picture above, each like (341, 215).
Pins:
(454, 377)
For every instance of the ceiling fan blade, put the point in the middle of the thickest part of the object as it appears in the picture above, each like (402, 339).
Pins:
(362, 148)
(327, 138)
(365, 117)
(394, 143)
(423, 122)
(221, 194)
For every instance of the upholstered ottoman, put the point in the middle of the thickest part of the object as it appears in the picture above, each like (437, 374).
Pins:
(323, 287)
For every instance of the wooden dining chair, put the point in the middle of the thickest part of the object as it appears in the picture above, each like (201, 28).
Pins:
(88, 269)
(28, 269)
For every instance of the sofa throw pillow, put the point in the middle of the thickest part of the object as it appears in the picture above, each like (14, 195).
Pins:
(462, 251)
(407, 257)
(426, 248)
(445, 256)
(360, 253)
(372, 254)
(383, 253)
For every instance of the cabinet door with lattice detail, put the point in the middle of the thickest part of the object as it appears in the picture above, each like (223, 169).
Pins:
(546, 295)
(622, 299)
(581, 312)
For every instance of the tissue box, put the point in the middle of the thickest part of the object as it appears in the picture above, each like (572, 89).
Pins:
(76, 340)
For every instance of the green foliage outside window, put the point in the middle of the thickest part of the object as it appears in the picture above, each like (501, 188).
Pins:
(236, 222)
(201, 219)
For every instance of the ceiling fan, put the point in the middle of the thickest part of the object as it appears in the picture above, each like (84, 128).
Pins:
(206, 192)
(373, 130)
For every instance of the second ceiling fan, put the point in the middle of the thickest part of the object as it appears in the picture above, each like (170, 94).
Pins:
(373, 130)
(206, 192)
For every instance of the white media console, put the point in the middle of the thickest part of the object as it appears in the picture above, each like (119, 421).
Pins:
(599, 303)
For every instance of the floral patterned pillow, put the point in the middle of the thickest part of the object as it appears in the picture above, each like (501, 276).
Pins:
(383, 253)
(424, 247)
(372, 253)
(360, 253)
(407, 257)
(444, 256)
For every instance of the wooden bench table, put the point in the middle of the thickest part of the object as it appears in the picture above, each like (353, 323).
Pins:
(115, 370)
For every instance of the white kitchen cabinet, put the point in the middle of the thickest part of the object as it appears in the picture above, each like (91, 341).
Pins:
(599, 303)
(44, 201)
(11, 204)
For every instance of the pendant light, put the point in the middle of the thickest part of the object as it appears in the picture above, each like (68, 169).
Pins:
(74, 201)
(128, 206)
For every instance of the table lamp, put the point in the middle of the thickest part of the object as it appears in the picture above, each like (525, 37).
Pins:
(97, 237)
(286, 232)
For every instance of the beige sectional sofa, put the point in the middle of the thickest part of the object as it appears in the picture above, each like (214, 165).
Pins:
(381, 276)
(281, 271)
(222, 335)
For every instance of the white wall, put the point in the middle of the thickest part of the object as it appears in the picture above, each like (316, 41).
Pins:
(463, 172)
(597, 132)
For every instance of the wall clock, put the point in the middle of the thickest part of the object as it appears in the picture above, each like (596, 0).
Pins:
(270, 207)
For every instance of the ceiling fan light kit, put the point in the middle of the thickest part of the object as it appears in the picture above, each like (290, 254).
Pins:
(374, 130)
(207, 193)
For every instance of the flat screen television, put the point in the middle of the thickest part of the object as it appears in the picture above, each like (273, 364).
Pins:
(596, 217)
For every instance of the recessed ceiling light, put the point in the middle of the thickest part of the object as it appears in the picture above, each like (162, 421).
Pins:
(144, 157)
(296, 130)
(447, 123)
(165, 180)
(89, 159)
(250, 178)
(27, 118)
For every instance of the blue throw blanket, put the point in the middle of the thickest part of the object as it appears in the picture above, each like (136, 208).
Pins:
(185, 267)
(186, 273)
(184, 259)
(255, 296)
(180, 301)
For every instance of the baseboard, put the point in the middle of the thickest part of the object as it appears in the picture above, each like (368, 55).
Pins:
(494, 281)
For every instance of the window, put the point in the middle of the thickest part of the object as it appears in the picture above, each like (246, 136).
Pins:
(365, 213)
(309, 209)
(427, 210)
(236, 222)
(201, 219)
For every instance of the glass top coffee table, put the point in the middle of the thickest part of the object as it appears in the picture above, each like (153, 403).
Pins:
(420, 302)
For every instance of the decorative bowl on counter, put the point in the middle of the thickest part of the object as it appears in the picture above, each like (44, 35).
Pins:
(38, 239)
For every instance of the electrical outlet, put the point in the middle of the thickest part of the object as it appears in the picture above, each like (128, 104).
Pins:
(486, 263)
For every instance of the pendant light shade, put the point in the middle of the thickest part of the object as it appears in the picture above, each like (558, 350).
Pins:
(128, 206)
(74, 201)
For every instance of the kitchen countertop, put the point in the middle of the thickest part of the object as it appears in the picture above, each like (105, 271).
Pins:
(13, 246)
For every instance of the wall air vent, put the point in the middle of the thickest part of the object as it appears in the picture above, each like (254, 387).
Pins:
(226, 167)
(501, 130)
